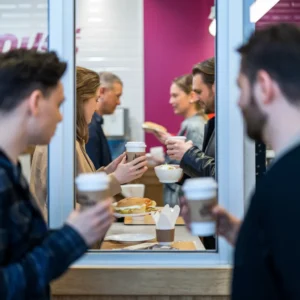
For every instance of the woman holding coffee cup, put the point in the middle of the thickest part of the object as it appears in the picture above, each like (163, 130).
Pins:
(192, 128)
(120, 172)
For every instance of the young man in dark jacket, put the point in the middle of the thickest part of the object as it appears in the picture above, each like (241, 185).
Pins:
(267, 260)
(31, 256)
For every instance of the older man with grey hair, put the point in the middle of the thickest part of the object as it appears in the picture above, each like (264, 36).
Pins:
(111, 88)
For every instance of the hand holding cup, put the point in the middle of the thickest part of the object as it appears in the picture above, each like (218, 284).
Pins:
(200, 198)
(177, 147)
(127, 172)
(211, 218)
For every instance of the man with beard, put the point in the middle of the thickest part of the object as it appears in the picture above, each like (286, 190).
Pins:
(267, 259)
(197, 162)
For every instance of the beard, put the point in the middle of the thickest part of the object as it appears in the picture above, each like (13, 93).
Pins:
(209, 106)
(255, 120)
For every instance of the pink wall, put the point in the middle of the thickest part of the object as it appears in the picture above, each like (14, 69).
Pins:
(287, 11)
(176, 37)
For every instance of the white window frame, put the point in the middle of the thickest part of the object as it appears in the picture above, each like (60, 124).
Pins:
(232, 25)
(61, 152)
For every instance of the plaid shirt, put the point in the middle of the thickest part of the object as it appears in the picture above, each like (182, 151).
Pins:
(30, 255)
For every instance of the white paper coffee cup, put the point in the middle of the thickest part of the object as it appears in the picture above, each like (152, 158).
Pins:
(157, 153)
(92, 188)
(92, 181)
(135, 150)
(135, 147)
(175, 138)
(201, 195)
(165, 236)
(133, 190)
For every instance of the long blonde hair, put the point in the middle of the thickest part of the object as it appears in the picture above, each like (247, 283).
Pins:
(87, 83)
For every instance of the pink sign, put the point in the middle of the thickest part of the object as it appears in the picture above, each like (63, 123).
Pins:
(40, 42)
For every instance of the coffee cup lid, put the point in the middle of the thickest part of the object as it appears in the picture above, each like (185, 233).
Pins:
(183, 138)
(135, 144)
(97, 178)
(200, 183)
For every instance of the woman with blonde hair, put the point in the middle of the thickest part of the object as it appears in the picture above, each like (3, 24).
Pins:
(120, 172)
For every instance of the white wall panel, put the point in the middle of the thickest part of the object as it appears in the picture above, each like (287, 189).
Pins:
(111, 39)
(23, 23)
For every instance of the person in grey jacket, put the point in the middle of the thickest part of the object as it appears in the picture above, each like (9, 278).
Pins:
(182, 101)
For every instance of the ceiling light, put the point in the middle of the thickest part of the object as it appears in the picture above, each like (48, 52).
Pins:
(257, 10)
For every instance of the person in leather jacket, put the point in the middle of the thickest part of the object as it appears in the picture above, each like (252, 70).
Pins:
(195, 161)
(199, 162)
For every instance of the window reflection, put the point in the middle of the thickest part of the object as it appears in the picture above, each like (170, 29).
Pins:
(24, 25)
(146, 76)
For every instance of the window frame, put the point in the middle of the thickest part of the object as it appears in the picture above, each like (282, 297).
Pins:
(233, 24)
(61, 151)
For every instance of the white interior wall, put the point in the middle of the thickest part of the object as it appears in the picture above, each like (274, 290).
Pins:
(23, 23)
(111, 39)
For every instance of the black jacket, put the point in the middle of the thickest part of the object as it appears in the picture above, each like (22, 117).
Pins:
(267, 254)
(201, 163)
(97, 147)
(198, 163)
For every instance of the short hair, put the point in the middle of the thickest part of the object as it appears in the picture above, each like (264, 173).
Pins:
(108, 79)
(87, 83)
(276, 50)
(207, 70)
(22, 71)
(184, 82)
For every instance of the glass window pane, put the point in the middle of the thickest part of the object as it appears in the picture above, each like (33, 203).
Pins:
(24, 24)
(152, 51)
(277, 12)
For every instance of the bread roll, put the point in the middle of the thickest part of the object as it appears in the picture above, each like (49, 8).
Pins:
(131, 202)
(150, 126)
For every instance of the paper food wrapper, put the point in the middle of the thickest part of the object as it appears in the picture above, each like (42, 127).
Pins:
(166, 218)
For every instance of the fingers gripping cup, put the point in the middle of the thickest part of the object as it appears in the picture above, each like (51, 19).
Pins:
(201, 195)
(135, 150)
(92, 188)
